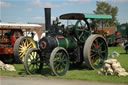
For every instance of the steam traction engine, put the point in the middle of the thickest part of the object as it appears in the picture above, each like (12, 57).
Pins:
(8, 36)
(12, 37)
(62, 46)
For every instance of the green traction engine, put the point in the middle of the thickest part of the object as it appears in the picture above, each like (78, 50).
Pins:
(67, 45)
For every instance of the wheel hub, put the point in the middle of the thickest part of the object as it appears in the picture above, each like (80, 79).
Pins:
(24, 49)
(33, 61)
(98, 51)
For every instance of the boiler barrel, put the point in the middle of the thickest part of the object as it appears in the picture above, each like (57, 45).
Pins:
(68, 42)
(49, 43)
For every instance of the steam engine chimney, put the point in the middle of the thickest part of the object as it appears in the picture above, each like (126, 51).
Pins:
(47, 18)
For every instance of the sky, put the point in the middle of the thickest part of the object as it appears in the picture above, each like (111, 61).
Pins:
(24, 11)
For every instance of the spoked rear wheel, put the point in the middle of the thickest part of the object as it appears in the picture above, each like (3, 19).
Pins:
(95, 51)
(59, 61)
(32, 61)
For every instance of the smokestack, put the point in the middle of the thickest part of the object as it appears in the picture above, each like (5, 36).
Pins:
(47, 18)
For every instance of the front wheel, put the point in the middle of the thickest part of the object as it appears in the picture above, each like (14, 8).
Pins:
(32, 61)
(59, 61)
(95, 51)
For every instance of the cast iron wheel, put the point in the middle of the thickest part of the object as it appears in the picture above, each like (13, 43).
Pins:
(32, 61)
(21, 46)
(95, 51)
(82, 30)
(59, 61)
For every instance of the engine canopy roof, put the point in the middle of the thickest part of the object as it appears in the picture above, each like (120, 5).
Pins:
(84, 16)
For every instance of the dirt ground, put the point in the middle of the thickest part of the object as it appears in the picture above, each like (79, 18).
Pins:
(9, 80)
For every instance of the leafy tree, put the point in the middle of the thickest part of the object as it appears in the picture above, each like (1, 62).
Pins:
(106, 8)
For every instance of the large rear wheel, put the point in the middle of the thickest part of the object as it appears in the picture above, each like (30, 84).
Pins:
(95, 51)
(21, 46)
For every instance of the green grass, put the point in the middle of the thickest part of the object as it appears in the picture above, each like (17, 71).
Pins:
(79, 74)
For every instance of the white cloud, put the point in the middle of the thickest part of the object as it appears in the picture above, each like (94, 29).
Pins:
(29, 9)
(5, 4)
(102, 0)
(53, 17)
(79, 1)
(39, 18)
(43, 18)
(38, 3)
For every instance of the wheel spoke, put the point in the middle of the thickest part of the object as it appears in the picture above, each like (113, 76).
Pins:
(101, 44)
(101, 56)
(29, 45)
(93, 55)
(93, 49)
(80, 23)
(80, 30)
(81, 35)
(57, 66)
(21, 46)
(94, 46)
(103, 51)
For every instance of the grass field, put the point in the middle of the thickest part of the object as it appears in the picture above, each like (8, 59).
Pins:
(79, 74)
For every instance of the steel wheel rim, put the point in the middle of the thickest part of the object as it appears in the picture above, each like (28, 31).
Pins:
(98, 52)
(25, 44)
(33, 62)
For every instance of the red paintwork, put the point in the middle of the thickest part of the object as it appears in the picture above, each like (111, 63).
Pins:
(118, 33)
(60, 37)
(97, 46)
(6, 50)
(13, 39)
(1, 50)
